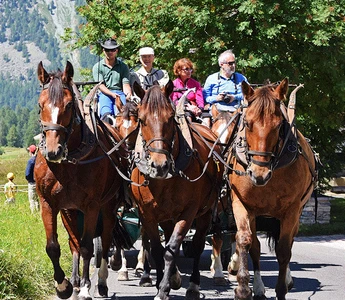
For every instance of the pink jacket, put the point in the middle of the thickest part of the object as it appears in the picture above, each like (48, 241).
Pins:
(195, 98)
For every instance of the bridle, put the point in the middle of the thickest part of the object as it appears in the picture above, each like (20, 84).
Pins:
(147, 146)
(245, 155)
(47, 126)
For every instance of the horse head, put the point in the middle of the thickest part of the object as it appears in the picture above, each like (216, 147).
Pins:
(126, 122)
(262, 121)
(57, 111)
(157, 132)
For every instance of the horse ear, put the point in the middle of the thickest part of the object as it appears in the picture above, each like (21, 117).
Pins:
(68, 73)
(138, 90)
(282, 89)
(42, 74)
(168, 89)
(118, 103)
(247, 90)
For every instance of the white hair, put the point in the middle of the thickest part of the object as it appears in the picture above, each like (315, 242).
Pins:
(222, 56)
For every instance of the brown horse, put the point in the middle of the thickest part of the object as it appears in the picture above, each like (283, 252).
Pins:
(178, 183)
(75, 170)
(273, 175)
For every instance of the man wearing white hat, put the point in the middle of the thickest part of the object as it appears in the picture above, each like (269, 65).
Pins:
(146, 75)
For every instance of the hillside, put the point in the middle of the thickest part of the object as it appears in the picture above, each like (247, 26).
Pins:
(22, 51)
(30, 32)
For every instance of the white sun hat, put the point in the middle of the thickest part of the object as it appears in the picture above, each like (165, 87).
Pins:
(146, 51)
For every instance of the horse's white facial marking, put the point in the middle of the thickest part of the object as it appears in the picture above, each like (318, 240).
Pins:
(55, 113)
(225, 133)
(127, 124)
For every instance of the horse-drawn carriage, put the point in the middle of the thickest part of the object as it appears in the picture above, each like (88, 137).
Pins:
(177, 176)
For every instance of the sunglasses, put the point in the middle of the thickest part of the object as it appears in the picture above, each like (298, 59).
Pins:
(229, 63)
(187, 70)
(110, 50)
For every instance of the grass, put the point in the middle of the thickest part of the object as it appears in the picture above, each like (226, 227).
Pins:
(25, 269)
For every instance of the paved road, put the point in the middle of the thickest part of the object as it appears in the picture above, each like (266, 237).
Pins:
(317, 266)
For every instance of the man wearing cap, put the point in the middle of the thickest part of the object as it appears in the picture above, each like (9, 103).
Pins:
(115, 76)
(146, 75)
(10, 189)
(29, 175)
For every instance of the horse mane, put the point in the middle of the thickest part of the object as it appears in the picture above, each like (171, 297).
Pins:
(155, 101)
(55, 87)
(129, 109)
(263, 102)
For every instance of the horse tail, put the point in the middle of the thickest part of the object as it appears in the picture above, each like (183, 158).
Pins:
(121, 238)
(272, 228)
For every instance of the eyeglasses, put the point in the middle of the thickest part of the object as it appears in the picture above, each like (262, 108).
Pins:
(229, 63)
(110, 50)
(187, 70)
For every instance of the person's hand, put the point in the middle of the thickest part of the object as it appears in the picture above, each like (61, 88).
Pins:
(114, 95)
(220, 97)
(229, 98)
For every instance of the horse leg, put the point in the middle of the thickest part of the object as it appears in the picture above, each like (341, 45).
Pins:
(243, 244)
(139, 268)
(63, 287)
(123, 272)
(283, 253)
(216, 266)
(70, 220)
(116, 259)
(234, 261)
(86, 251)
(145, 279)
(108, 220)
(255, 250)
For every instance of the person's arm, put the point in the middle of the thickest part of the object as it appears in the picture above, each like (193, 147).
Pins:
(199, 98)
(207, 91)
(126, 87)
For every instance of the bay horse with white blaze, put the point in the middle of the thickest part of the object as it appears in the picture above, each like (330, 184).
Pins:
(178, 181)
(273, 175)
(75, 170)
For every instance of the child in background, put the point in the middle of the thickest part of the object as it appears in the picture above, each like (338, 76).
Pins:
(10, 189)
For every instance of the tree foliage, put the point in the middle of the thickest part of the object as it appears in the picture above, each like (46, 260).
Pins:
(299, 39)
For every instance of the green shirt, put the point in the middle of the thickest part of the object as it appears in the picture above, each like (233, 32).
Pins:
(113, 78)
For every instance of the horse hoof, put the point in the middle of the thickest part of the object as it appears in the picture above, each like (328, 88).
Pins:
(145, 281)
(139, 272)
(262, 297)
(192, 295)
(123, 276)
(103, 290)
(220, 281)
(67, 292)
(232, 272)
(176, 281)
(115, 265)
(244, 293)
(290, 285)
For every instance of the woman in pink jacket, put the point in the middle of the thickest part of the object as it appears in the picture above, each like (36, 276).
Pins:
(183, 69)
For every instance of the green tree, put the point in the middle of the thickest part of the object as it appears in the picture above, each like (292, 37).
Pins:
(302, 40)
(12, 137)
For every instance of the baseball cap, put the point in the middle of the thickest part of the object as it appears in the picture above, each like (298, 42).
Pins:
(32, 148)
(146, 51)
(10, 176)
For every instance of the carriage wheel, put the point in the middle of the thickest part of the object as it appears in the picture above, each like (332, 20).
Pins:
(97, 250)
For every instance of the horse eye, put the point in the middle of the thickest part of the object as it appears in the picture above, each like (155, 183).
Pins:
(69, 105)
